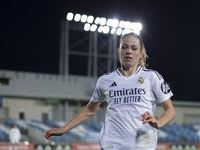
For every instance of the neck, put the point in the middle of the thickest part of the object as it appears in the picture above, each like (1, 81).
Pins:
(128, 71)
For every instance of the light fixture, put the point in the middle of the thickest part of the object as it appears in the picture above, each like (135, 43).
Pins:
(97, 20)
(83, 18)
(103, 21)
(119, 31)
(77, 17)
(136, 31)
(109, 22)
(106, 29)
(70, 16)
(127, 24)
(100, 29)
(103, 25)
(122, 24)
(113, 30)
(126, 31)
(90, 19)
(93, 27)
(139, 26)
(87, 27)
(115, 23)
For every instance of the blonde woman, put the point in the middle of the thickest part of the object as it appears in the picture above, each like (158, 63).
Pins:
(131, 92)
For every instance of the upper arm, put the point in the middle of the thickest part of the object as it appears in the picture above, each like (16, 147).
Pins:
(93, 106)
(167, 104)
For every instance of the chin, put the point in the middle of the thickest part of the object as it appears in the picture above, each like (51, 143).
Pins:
(128, 65)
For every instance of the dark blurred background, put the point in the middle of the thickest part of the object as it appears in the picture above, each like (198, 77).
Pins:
(30, 36)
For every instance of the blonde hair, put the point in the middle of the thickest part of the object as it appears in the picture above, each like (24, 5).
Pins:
(142, 61)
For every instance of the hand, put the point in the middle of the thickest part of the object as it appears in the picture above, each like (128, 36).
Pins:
(53, 132)
(149, 118)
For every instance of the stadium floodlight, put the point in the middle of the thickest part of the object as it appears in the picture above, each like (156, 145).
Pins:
(70, 16)
(122, 24)
(109, 22)
(133, 25)
(106, 29)
(103, 25)
(87, 27)
(127, 24)
(100, 29)
(77, 17)
(113, 30)
(83, 18)
(139, 26)
(115, 23)
(126, 31)
(136, 26)
(97, 20)
(103, 21)
(136, 31)
(119, 31)
(90, 19)
(93, 27)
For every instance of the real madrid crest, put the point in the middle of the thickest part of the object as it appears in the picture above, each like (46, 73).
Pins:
(140, 80)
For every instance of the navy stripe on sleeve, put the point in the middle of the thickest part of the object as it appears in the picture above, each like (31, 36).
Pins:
(158, 74)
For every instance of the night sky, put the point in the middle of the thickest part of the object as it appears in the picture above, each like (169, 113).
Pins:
(30, 36)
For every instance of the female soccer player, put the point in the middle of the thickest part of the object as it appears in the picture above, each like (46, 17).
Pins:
(131, 92)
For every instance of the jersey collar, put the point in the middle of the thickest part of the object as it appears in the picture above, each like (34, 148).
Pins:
(137, 71)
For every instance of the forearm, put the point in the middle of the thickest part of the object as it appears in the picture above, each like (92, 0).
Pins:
(84, 114)
(167, 116)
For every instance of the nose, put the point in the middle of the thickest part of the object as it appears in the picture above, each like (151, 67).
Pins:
(128, 50)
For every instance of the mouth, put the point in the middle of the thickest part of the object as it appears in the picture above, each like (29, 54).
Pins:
(128, 58)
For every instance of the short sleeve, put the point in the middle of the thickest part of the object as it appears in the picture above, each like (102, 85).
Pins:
(98, 94)
(160, 88)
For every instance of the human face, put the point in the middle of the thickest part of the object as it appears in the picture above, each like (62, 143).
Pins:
(129, 52)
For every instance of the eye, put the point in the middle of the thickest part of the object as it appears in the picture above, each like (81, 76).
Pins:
(124, 47)
(134, 48)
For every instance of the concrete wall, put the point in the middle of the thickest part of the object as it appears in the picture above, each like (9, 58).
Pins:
(23, 84)
(32, 108)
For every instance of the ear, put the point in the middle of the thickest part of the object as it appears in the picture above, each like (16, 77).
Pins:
(118, 52)
(141, 54)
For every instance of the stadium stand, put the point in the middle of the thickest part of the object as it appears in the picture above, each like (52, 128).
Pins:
(5, 129)
(20, 123)
(180, 133)
(4, 132)
(88, 132)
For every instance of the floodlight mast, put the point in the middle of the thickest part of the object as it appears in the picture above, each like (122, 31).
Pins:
(105, 31)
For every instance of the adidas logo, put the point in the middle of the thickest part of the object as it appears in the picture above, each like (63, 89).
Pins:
(114, 84)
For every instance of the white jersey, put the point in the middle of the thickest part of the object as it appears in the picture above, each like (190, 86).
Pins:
(128, 98)
(14, 135)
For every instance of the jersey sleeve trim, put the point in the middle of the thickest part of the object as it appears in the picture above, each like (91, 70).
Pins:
(158, 74)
